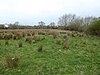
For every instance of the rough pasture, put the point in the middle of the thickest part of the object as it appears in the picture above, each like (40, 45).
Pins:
(48, 52)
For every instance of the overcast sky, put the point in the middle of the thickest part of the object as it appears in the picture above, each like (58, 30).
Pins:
(30, 12)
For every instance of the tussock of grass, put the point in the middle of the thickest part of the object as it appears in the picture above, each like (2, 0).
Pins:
(58, 41)
(29, 39)
(54, 34)
(71, 57)
(14, 37)
(40, 49)
(28, 34)
(66, 43)
(6, 42)
(20, 43)
(12, 61)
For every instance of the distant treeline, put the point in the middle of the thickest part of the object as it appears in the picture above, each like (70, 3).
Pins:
(27, 27)
(89, 25)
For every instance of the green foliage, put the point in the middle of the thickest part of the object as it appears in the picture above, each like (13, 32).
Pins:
(94, 28)
(1, 26)
(73, 27)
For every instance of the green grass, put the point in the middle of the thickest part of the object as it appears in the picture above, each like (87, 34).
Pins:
(79, 59)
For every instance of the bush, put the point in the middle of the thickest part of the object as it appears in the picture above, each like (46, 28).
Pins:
(1, 26)
(94, 28)
(74, 27)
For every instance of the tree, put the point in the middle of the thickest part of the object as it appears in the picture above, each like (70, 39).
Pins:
(52, 24)
(16, 23)
(1, 26)
(88, 20)
(66, 19)
(41, 23)
(94, 28)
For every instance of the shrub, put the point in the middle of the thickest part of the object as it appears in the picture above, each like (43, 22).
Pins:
(73, 27)
(94, 28)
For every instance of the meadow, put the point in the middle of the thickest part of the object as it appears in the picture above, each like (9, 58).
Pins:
(48, 52)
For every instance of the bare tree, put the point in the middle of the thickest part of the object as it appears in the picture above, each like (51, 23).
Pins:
(41, 23)
(52, 24)
(77, 21)
(66, 19)
(89, 20)
(16, 23)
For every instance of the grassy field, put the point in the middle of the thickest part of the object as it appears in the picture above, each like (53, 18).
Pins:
(50, 53)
